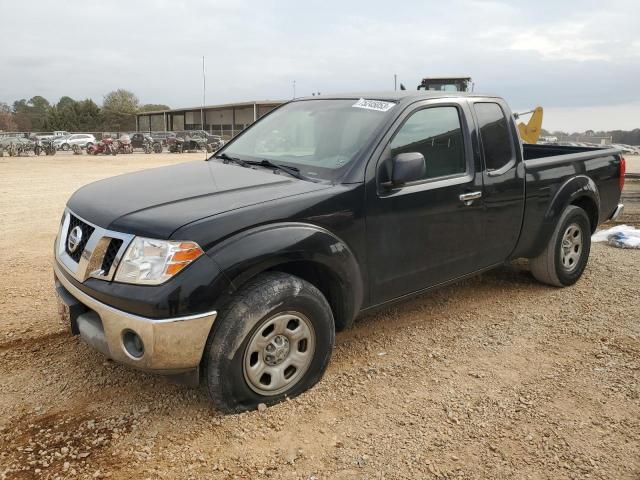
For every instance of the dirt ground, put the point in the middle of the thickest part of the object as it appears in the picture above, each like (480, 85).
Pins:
(497, 377)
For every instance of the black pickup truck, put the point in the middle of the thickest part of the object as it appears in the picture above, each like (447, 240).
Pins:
(238, 270)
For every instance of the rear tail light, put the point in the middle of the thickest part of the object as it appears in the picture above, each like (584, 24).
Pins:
(623, 169)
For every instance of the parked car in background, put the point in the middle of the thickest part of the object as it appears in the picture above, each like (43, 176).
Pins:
(162, 136)
(66, 142)
(624, 148)
(51, 136)
(185, 142)
(145, 142)
(215, 141)
(16, 145)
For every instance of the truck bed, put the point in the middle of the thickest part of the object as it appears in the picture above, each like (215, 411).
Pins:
(548, 169)
(534, 152)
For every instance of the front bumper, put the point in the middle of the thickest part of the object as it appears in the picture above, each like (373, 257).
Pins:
(171, 346)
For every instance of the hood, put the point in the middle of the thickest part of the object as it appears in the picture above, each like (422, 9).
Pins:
(156, 202)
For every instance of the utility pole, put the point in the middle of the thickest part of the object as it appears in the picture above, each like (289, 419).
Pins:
(204, 95)
(395, 82)
(204, 99)
(294, 89)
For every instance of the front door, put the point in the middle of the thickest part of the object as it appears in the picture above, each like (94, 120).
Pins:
(428, 231)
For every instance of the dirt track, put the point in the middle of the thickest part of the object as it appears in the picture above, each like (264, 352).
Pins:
(497, 377)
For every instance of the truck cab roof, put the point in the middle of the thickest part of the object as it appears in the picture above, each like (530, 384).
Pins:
(399, 96)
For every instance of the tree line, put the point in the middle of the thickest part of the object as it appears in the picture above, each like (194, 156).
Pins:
(117, 113)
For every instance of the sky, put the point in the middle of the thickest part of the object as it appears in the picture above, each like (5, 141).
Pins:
(579, 59)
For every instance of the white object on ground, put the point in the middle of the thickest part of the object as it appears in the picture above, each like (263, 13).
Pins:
(621, 236)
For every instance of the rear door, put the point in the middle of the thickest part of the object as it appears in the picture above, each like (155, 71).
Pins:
(428, 231)
(503, 178)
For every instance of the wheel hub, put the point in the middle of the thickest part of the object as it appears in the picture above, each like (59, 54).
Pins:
(276, 350)
(279, 353)
(571, 247)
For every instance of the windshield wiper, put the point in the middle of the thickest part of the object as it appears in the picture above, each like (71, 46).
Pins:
(226, 158)
(293, 171)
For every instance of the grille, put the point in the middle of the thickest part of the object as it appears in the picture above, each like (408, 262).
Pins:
(110, 254)
(87, 231)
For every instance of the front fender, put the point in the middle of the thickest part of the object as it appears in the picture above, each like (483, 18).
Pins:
(246, 254)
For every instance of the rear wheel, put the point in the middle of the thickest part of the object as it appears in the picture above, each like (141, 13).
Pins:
(273, 341)
(565, 257)
(65, 147)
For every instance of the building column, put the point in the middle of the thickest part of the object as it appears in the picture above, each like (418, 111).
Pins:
(255, 113)
(233, 120)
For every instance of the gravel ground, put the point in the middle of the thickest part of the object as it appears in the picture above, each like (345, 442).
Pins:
(495, 377)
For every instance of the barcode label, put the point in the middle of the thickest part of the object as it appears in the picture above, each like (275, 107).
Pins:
(377, 105)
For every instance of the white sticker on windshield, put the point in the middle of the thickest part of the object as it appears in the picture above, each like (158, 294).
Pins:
(377, 105)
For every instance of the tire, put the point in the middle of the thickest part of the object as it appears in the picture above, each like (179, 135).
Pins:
(88, 145)
(288, 303)
(157, 148)
(65, 147)
(565, 257)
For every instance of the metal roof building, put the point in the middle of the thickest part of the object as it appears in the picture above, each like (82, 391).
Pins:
(225, 120)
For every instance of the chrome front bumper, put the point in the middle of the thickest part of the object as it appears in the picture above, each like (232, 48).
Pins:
(170, 345)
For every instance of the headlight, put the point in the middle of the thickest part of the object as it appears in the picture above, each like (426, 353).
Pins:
(152, 262)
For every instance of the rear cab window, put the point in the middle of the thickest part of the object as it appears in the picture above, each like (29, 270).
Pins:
(495, 137)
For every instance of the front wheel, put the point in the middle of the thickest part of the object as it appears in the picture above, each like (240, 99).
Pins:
(272, 341)
(65, 147)
(565, 257)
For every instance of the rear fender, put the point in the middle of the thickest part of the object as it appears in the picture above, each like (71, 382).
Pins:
(245, 255)
(574, 191)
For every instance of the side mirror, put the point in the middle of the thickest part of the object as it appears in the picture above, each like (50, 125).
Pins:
(407, 167)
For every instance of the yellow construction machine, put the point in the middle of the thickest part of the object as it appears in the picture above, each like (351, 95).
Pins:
(530, 132)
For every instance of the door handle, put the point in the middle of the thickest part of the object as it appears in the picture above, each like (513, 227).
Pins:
(468, 198)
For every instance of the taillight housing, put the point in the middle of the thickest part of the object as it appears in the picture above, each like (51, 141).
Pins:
(623, 169)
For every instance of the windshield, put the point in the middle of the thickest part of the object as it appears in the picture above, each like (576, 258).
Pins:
(319, 137)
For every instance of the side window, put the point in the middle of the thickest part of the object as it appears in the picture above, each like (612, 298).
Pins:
(437, 134)
(494, 133)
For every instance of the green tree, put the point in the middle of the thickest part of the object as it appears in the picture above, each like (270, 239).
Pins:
(153, 107)
(7, 124)
(89, 116)
(32, 114)
(119, 110)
